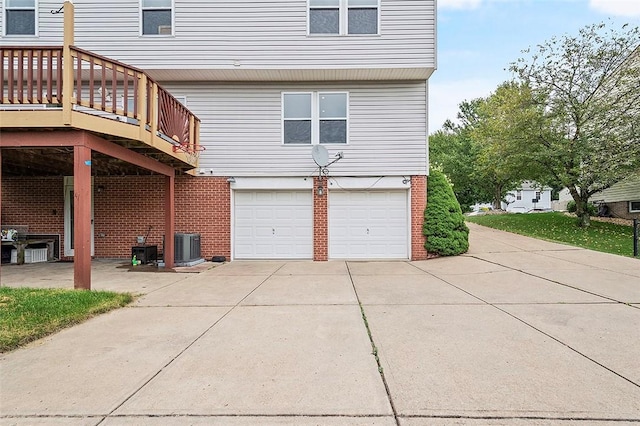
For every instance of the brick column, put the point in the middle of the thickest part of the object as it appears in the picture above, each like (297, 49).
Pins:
(320, 223)
(418, 204)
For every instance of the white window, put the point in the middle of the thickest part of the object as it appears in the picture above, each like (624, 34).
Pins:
(156, 17)
(538, 195)
(20, 17)
(314, 118)
(518, 195)
(344, 16)
(634, 206)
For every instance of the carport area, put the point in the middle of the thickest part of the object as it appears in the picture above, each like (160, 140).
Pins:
(517, 331)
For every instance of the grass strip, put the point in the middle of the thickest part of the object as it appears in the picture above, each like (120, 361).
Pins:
(558, 227)
(27, 314)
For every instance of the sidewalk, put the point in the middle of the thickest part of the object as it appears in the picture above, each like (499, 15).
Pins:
(518, 331)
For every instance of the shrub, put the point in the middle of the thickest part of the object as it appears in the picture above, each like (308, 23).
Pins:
(444, 227)
(591, 208)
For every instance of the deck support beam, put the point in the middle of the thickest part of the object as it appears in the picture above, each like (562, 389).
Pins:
(169, 221)
(82, 217)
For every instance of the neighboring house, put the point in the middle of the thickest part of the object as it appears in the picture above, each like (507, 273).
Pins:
(262, 83)
(527, 197)
(564, 197)
(622, 199)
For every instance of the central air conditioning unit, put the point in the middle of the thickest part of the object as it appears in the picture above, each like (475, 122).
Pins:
(187, 249)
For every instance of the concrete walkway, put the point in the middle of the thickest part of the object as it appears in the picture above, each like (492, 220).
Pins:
(518, 331)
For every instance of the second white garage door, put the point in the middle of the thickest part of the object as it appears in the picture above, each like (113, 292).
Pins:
(273, 225)
(368, 224)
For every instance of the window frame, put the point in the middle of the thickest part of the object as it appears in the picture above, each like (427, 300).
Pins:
(35, 9)
(518, 195)
(343, 19)
(315, 117)
(141, 10)
(631, 209)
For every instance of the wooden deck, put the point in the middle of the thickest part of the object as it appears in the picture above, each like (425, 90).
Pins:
(58, 88)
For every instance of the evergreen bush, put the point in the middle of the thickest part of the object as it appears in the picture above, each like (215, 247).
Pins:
(444, 227)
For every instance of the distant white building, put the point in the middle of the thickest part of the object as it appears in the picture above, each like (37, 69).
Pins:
(527, 197)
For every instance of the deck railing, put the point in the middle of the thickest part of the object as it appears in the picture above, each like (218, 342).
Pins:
(34, 76)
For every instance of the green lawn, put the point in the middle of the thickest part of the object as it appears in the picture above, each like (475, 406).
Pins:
(600, 236)
(27, 314)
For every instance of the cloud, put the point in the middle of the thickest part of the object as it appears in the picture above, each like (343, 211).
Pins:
(458, 4)
(616, 7)
(444, 98)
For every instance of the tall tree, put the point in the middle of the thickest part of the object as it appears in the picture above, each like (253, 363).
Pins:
(587, 90)
(454, 150)
(503, 132)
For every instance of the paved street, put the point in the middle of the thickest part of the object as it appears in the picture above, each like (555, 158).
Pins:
(518, 331)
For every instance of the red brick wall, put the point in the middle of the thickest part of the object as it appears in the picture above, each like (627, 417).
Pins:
(320, 222)
(621, 210)
(36, 202)
(203, 205)
(125, 207)
(418, 204)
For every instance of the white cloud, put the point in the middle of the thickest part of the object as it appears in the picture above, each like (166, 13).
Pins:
(616, 7)
(445, 97)
(458, 4)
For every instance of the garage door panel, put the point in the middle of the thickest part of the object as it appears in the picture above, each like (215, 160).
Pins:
(273, 225)
(367, 224)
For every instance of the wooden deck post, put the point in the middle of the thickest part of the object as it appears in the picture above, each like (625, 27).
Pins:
(67, 60)
(169, 221)
(82, 217)
(0, 198)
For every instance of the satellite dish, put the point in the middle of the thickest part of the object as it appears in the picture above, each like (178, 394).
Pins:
(320, 155)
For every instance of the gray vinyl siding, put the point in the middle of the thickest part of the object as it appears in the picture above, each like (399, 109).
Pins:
(625, 190)
(260, 34)
(241, 129)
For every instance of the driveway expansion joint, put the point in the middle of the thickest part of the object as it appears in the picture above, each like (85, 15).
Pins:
(171, 361)
(374, 350)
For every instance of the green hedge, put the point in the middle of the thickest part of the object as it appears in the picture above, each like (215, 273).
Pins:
(444, 227)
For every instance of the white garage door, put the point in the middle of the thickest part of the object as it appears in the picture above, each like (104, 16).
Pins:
(368, 225)
(273, 225)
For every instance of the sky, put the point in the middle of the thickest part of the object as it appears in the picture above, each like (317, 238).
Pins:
(478, 39)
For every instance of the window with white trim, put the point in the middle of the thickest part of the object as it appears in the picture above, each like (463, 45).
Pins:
(518, 195)
(341, 17)
(20, 17)
(314, 118)
(634, 206)
(156, 17)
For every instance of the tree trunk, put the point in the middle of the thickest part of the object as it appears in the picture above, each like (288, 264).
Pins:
(582, 211)
(497, 197)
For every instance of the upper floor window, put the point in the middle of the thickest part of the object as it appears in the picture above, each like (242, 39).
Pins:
(157, 17)
(316, 117)
(343, 16)
(20, 17)
(518, 195)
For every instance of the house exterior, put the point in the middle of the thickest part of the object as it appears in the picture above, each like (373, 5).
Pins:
(527, 197)
(622, 199)
(265, 82)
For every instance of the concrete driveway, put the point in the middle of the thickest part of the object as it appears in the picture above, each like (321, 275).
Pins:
(518, 331)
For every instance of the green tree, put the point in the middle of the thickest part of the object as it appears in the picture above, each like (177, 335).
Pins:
(502, 133)
(444, 227)
(586, 89)
(455, 153)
